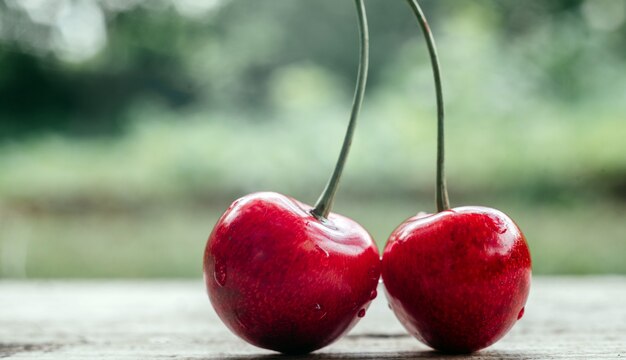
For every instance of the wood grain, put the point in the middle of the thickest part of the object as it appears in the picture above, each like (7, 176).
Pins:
(566, 318)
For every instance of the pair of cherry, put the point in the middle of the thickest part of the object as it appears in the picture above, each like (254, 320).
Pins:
(293, 278)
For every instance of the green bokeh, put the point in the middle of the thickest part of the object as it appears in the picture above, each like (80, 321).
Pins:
(117, 163)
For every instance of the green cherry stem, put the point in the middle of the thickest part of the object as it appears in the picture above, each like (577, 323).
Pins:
(325, 201)
(443, 203)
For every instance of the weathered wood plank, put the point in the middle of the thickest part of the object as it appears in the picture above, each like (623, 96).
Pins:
(579, 318)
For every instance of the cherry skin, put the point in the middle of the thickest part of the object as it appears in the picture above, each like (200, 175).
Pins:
(285, 280)
(457, 280)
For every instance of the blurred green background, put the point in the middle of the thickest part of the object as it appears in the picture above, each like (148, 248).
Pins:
(127, 127)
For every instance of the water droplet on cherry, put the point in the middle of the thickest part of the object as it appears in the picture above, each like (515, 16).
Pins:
(497, 225)
(361, 313)
(240, 322)
(322, 250)
(521, 313)
(220, 273)
(373, 295)
(373, 272)
(320, 310)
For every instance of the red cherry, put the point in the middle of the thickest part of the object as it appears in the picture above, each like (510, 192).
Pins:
(285, 280)
(289, 277)
(457, 280)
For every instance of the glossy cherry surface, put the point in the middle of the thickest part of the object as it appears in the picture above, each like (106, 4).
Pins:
(457, 280)
(285, 280)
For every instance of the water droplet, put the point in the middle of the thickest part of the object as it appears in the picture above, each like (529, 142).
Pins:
(361, 313)
(240, 322)
(497, 224)
(389, 306)
(373, 295)
(220, 273)
(322, 250)
(319, 309)
(521, 313)
(373, 272)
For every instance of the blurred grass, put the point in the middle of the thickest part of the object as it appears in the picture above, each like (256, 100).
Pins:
(169, 242)
(393, 153)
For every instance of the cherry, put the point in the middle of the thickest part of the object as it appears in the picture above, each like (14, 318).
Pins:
(457, 280)
(285, 280)
(289, 277)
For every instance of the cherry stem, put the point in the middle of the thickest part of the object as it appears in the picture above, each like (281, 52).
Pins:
(443, 202)
(325, 201)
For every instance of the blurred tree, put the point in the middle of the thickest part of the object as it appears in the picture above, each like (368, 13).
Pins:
(39, 91)
(79, 66)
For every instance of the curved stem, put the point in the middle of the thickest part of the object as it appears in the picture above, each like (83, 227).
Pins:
(325, 201)
(443, 203)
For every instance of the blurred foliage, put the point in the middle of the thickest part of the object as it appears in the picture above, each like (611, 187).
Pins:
(227, 54)
(121, 122)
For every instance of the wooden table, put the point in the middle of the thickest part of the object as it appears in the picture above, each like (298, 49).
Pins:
(581, 318)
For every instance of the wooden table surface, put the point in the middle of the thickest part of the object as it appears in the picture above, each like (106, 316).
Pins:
(580, 318)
